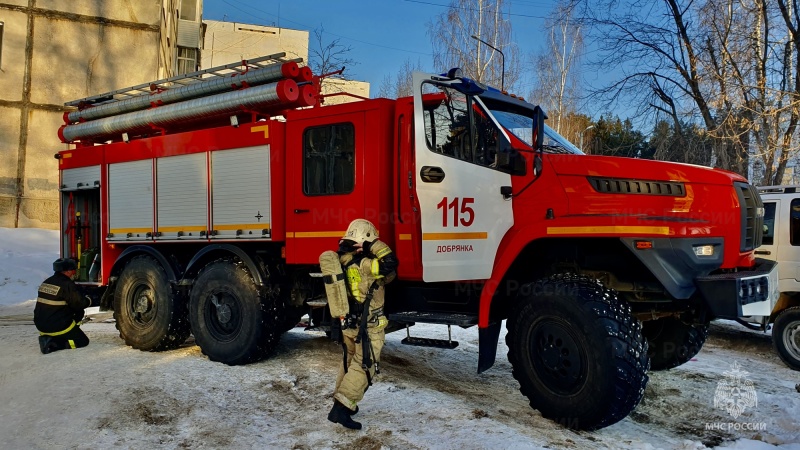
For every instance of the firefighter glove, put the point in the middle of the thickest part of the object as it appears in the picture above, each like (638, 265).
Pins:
(366, 246)
(347, 246)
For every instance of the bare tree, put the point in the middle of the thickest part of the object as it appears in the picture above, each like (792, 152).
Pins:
(790, 81)
(558, 82)
(453, 46)
(729, 65)
(401, 85)
(651, 42)
(752, 60)
(328, 56)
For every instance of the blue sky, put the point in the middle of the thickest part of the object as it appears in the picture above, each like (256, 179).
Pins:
(382, 34)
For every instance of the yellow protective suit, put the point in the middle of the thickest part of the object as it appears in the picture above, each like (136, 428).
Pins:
(360, 275)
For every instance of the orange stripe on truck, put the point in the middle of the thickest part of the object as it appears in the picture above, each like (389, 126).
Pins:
(315, 234)
(454, 236)
(665, 231)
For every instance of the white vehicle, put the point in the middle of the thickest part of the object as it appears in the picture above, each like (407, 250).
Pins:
(781, 242)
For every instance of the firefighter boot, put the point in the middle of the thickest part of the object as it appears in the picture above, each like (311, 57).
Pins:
(341, 414)
(48, 345)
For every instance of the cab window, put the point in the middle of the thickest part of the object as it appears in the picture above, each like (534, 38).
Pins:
(769, 224)
(458, 127)
(447, 123)
(794, 222)
(329, 159)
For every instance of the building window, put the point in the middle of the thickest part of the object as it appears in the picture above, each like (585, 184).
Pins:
(187, 60)
(329, 159)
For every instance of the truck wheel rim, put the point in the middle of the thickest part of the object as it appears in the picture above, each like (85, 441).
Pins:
(558, 359)
(143, 305)
(791, 339)
(223, 315)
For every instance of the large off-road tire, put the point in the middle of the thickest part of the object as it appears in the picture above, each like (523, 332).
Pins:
(786, 336)
(672, 342)
(577, 352)
(148, 314)
(231, 322)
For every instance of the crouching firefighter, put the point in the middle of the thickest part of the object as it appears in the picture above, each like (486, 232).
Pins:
(59, 310)
(354, 279)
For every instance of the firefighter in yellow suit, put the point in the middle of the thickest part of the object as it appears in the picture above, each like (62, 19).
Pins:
(368, 264)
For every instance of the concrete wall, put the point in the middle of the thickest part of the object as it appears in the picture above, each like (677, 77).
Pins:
(335, 87)
(227, 42)
(55, 51)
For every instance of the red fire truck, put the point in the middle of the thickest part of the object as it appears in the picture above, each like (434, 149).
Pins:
(200, 204)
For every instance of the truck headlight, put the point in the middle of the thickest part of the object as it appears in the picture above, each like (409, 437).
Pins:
(703, 250)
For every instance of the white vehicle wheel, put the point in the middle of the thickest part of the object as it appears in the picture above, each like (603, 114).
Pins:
(786, 336)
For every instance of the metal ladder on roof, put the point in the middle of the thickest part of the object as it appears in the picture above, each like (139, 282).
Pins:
(182, 80)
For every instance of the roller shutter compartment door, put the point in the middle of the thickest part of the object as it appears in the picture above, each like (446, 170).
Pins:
(241, 193)
(80, 178)
(182, 190)
(130, 199)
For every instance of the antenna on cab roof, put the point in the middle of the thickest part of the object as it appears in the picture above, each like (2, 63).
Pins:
(503, 73)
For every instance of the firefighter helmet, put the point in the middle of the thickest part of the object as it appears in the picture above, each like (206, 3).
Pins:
(64, 265)
(360, 231)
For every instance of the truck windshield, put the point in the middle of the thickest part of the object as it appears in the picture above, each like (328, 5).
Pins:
(521, 126)
(556, 143)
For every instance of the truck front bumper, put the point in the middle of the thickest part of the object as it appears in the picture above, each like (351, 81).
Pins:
(745, 293)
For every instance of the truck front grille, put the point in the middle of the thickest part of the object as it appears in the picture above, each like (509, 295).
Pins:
(630, 186)
(752, 216)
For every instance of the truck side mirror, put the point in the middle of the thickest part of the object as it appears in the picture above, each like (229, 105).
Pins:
(537, 165)
(538, 128)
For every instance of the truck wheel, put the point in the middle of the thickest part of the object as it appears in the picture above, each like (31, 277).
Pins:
(671, 342)
(148, 315)
(786, 336)
(577, 352)
(230, 321)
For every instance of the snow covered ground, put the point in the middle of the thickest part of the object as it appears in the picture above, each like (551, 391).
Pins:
(108, 395)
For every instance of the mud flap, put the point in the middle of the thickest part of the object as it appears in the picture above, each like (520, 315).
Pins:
(335, 288)
(487, 346)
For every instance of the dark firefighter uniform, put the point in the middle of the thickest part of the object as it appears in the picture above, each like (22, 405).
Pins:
(367, 268)
(59, 310)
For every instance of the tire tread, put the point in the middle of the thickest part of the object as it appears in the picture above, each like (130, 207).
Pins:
(621, 331)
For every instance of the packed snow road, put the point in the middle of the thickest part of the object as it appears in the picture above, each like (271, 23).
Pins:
(111, 396)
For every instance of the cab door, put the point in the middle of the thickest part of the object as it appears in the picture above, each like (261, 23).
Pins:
(463, 214)
(324, 183)
(781, 240)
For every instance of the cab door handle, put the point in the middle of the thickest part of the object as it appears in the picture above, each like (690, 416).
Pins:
(431, 174)
(763, 252)
(301, 211)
